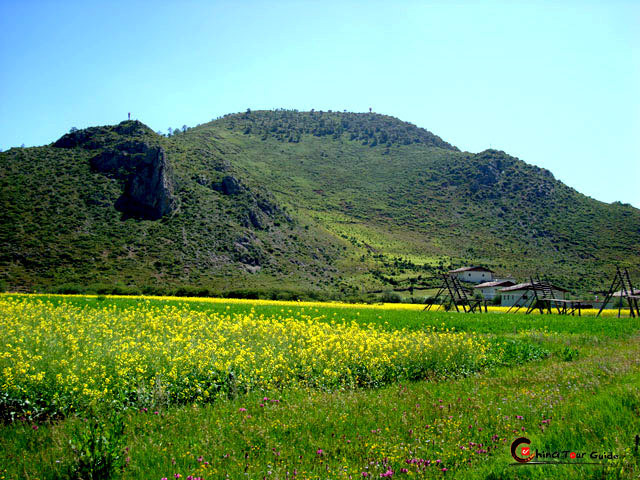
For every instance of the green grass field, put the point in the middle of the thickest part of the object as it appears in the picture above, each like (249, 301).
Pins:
(115, 386)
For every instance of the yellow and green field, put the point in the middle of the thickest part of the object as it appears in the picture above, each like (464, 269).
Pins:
(143, 387)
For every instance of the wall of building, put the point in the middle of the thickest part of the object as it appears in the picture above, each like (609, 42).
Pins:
(488, 293)
(475, 277)
(520, 296)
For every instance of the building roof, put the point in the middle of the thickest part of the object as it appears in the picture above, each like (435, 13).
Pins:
(497, 283)
(471, 269)
(528, 286)
(519, 286)
(620, 293)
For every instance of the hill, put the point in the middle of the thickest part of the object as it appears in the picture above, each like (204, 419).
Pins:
(266, 202)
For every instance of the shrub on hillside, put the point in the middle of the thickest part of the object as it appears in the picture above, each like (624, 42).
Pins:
(390, 296)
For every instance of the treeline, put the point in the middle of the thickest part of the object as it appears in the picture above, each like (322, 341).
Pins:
(174, 131)
(367, 128)
(195, 291)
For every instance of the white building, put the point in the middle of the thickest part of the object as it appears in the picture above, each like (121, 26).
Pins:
(522, 293)
(490, 289)
(473, 274)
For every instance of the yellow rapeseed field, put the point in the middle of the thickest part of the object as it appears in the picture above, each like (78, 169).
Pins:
(334, 305)
(57, 356)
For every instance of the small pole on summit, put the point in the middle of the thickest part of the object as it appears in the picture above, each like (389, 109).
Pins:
(369, 109)
(129, 115)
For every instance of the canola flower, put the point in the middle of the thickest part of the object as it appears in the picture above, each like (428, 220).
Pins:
(609, 312)
(59, 357)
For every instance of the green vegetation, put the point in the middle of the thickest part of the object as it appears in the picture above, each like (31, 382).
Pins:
(567, 384)
(293, 205)
(316, 204)
(372, 129)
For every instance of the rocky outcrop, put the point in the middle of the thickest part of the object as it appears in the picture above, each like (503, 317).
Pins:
(100, 137)
(229, 186)
(148, 189)
(126, 154)
(255, 219)
(78, 138)
(258, 210)
(249, 253)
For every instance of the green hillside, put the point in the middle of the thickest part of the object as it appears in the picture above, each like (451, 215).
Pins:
(320, 203)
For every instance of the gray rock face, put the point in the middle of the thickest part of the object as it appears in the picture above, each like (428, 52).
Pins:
(255, 219)
(148, 191)
(229, 186)
(488, 174)
(249, 253)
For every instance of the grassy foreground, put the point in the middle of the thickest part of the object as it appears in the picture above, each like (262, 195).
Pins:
(564, 383)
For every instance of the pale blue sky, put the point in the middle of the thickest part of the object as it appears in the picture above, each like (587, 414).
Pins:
(556, 84)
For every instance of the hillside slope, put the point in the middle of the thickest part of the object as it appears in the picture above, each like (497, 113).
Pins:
(324, 202)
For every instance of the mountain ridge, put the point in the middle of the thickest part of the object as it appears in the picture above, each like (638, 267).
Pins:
(326, 203)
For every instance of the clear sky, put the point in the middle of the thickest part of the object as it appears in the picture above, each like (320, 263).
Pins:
(556, 84)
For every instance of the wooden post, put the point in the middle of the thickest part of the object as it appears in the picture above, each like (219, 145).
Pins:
(609, 294)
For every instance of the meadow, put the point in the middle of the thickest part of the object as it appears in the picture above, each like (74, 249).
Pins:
(140, 387)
